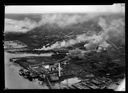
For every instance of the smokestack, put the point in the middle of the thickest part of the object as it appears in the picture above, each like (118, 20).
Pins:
(59, 69)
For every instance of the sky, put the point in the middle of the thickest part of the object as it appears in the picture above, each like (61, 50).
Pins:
(63, 8)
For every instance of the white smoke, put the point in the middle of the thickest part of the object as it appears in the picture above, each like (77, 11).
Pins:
(115, 30)
(63, 20)
(78, 39)
(112, 29)
(53, 19)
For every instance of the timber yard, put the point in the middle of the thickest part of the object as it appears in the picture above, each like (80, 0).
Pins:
(65, 50)
(57, 70)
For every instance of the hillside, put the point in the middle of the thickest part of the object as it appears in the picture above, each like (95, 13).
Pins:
(49, 32)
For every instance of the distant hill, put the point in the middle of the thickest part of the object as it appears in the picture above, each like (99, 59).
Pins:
(43, 35)
(50, 33)
(35, 17)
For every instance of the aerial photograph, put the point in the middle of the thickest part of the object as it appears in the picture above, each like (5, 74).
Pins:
(64, 47)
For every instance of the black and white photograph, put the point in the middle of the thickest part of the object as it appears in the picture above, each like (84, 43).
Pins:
(64, 47)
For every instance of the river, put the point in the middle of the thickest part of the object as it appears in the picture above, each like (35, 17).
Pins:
(13, 80)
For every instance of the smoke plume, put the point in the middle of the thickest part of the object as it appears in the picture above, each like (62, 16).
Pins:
(112, 30)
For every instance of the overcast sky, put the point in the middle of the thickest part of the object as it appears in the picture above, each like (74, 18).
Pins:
(63, 8)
